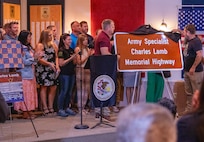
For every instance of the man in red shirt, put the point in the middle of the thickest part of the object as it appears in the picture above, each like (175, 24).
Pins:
(103, 47)
(102, 43)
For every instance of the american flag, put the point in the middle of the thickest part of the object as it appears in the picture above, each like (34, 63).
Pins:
(191, 16)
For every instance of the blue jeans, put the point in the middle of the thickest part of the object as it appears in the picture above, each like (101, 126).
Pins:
(66, 87)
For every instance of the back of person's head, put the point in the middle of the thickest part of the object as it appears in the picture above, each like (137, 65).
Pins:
(98, 31)
(191, 28)
(200, 99)
(105, 23)
(145, 122)
(198, 114)
(169, 104)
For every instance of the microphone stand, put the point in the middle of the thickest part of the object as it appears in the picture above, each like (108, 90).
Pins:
(81, 125)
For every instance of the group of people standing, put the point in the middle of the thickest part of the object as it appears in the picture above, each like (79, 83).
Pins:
(62, 62)
(29, 57)
(58, 63)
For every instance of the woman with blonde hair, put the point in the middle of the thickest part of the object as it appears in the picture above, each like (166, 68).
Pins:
(47, 70)
(82, 74)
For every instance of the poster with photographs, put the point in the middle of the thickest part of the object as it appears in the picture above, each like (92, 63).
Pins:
(11, 86)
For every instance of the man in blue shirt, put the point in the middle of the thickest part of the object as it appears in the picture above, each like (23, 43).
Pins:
(13, 32)
(76, 30)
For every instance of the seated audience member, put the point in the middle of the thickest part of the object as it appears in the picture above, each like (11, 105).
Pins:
(190, 127)
(4, 111)
(145, 122)
(169, 104)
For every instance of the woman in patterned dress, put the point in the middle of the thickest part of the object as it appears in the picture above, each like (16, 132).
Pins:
(82, 74)
(28, 77)
(47, 70)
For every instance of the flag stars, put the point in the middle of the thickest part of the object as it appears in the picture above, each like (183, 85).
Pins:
(191, 16)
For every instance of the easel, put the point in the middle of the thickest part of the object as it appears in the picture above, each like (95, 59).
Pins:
(137, 82)
(10, 117)
(31, 120)
(6, 66)
(168, 87)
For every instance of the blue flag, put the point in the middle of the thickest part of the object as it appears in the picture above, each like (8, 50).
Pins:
(192, 15)
(103, 80)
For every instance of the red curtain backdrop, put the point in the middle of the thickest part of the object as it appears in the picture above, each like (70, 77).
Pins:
(128, 15)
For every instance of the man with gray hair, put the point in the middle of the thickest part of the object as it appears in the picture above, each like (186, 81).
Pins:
(103, 47)
(145, 122)
(102, 43)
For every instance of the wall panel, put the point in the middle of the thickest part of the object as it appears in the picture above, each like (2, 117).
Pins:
(127, 15)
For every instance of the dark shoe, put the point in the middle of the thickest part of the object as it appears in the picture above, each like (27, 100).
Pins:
(62, 113)
(70, 112)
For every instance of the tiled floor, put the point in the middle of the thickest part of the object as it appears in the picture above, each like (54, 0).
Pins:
(52, 127)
